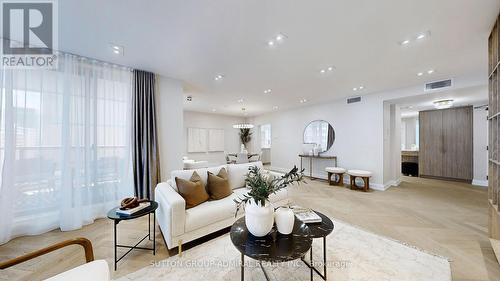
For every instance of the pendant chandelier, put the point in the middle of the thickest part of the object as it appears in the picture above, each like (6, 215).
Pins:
(243, 125)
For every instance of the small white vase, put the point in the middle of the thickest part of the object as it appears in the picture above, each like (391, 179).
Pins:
(259, 219)
(285, 219)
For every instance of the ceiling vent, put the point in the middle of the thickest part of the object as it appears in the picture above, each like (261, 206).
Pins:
(353, 100)
(438, 85)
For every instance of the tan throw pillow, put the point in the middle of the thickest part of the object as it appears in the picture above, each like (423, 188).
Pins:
(192, 190)
(218, 185)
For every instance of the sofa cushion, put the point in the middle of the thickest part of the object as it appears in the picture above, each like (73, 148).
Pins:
(218, 185)
(210, 212)
(237, 173)
(192, 190)
(186, 174)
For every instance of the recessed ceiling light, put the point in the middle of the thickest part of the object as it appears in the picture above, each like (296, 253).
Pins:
(354, 89)
(118, 50)
(240, 100)
(361, 87)
(214, 110)
(405, 42)
(430, 71)
(328, 69)
(277, 39)
(268, 91)
(418, 37)
(218, 77)
(420, 74)
(275, 107)
(303, 100)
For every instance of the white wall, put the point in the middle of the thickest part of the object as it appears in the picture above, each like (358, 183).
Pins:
(410, 137)
(480, 140)
(169, 106)
(358, 134)
(213, 121)
(392, 144)
(359, 131)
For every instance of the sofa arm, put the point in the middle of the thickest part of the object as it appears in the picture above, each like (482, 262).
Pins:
(275, 174)
(171, 212)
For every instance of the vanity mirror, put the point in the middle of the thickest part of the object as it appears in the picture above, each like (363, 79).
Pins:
(319, 133)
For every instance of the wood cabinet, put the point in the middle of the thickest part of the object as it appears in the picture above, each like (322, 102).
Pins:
(446, 143)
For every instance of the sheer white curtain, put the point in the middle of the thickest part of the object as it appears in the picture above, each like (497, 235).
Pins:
(65, 156)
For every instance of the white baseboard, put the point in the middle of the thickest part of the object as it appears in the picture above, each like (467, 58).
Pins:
(483, 183)
(374, 186)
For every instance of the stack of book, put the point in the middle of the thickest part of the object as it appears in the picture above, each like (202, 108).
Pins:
(132, 211)
(306, 215)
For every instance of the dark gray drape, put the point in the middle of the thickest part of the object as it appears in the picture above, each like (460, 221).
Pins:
(145, 153)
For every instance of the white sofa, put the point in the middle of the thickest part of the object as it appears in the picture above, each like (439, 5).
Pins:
(180, 226)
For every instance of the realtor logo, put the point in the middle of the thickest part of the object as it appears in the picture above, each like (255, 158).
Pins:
(29, 33)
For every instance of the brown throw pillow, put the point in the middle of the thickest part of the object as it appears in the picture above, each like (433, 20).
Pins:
(192, 190)
(218, 185)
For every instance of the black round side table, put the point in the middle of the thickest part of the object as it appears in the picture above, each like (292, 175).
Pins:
(319, 230)
(274, 247)
(117, 218)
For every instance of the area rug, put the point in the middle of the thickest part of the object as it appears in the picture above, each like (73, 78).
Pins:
(352, 254)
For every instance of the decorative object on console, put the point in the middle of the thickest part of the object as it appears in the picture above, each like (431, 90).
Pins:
(218, 185)
(192, 190)
(259, 212)
(285, 219)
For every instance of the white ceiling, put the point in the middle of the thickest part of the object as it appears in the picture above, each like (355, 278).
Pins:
(410, 106)
(194, 41)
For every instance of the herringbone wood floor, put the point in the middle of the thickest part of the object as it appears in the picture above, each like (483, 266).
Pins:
(446, 218)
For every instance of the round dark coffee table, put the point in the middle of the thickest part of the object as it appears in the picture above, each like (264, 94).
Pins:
(274, 247)
(319, 230)
(117, 218)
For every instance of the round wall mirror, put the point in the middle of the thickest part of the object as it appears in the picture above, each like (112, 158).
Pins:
(320, 133)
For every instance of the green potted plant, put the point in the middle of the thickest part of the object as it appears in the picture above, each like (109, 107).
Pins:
(245, 136)
(259, 213)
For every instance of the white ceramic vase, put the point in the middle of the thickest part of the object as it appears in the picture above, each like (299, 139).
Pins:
(259, 219)
(285, 219)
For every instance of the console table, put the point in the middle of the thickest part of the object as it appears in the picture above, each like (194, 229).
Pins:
(312, 157)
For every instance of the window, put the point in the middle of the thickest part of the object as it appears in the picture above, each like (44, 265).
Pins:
(265, 136)
(64, 145)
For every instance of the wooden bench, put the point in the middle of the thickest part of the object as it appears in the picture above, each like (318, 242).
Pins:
(338, 173)
(364, 175)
